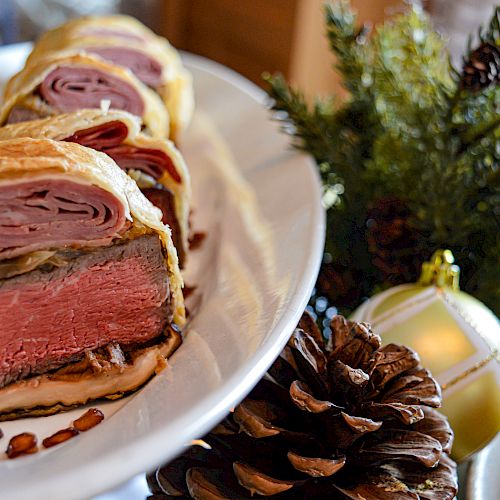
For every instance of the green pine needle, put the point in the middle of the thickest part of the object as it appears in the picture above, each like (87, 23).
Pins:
(408, 131)
(309, 127)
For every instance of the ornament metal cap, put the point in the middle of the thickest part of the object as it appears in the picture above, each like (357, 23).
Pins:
(440, 271)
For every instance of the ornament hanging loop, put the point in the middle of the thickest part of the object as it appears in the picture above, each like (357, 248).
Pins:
(440, 271)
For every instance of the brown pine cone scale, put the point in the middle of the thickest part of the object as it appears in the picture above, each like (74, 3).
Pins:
(482, 69)
(340, 419)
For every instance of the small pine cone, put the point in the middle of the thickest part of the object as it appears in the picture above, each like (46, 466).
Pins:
(343, 419)
(393, 243)
(482, 69)
(340, 285)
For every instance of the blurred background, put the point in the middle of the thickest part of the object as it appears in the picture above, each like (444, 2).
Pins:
(250, 36)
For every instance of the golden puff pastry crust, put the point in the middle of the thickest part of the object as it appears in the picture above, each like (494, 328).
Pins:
(119, 31)
(62, 126)
(77, 384)
(21, 90)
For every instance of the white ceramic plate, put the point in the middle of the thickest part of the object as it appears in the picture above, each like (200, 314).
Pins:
(254, 274)
(483, 481)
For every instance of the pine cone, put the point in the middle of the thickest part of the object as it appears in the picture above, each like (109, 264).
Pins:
(394, 244)
(482, 69)
(342, 419)
(340, 284)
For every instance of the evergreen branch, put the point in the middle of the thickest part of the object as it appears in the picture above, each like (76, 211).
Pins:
(410, 132)
(493, 32)
(474, 135)
(309, 129)
(453, 100)
(490, 35)
(347, 42)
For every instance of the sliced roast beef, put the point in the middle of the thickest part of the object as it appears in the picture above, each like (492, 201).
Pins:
(163, 198)
(55, 212)
(153, 162)
(69, 88)
(141, 64)
(101, 136)
(119, 293)
(21, 114)
(108, 138)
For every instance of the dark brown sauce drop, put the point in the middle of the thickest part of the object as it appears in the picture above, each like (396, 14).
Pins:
(188, 290)
(196, 240)
(60, 437)
(89, 419)
(22, 444)
(26, 442)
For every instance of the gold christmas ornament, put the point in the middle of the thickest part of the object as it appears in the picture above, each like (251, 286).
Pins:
(457, 338)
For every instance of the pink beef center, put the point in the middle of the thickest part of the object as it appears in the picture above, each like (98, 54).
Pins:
(69, 88)
(115, 294)
(21, 114)
(144, 67)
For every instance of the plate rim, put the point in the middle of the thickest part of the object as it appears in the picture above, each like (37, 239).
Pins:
(478, 467)
(235, 387)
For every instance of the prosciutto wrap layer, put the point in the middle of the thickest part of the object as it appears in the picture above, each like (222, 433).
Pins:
(67, 82)
(155, 164)
(126, 42)
(91, 301)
